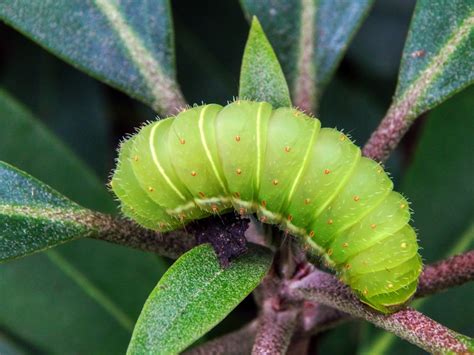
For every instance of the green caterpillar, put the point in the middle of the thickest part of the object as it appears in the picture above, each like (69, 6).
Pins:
(280, 164)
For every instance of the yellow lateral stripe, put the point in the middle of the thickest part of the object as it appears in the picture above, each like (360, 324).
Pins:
(305, 160)
(206, 148)
(157, 163)
(259, 144)
(341, 185)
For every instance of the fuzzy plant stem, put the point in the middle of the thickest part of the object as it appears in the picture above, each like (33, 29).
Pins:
(239, 342)
(436, 277)
(219, 232)
(408, 324)
(444, 274)
(389, 133)
(127, 233)
(275, 329)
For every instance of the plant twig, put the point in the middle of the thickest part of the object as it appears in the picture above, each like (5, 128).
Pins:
(170, 244)
(436, 277)
(407, 323)
(275, 329)
(125, 232)
(447, 273)
(388, 134)
(239, 342)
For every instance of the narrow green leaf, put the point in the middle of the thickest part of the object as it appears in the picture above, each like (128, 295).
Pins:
(27, 144)
(102, 286)
(33, 216)
(70, 103)
(193, 296)
(128, 45)
(439, 184)
(261, 77)
(438, 55)
(310, 38)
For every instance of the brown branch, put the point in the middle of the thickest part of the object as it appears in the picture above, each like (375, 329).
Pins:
(275, 329)
(239, 342)
(125, 232)
(436, 277)
(388, 134)
(407, 323)
(170, 244)
(447, 273)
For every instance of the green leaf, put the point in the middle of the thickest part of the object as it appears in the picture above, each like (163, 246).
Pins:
(84, 296)
(438, 56)
(33, 216)
(309, 37)
(128, 45)
(261, 77)
(70, 103)
(439, 185)
(27, 144)
(193, 296)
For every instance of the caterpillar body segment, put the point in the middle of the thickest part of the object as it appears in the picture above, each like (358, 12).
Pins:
(281, 165)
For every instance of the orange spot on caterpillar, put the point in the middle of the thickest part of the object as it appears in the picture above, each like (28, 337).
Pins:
(135, 158)
(379, 170)
(402, 205)
(201, 194)
(365, 292)
(403, 245)
(237, 138)
(373, 226)
(330, 221)
(275, 182)
(237, 194)
(330, 251)
(193, 173)
(418, 54)
(238, 171)
(290, 217)
(347, 266)
(182, 216)
(263, 218)
(151, 189)
(214, 208)
(311, 234)
(356, 198)
(345, 245)
(264, 203)
(296, 113)
(327, 171)
(287, 149)
(307, 201)
(162, 225)
(182, 140)
(342, 138)
(242, 210)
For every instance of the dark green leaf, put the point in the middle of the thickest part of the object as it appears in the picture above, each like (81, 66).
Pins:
(25, 143)
(438, 55)
(33, 216)
(261, 77)
(70, 103)
(439, 184)
(309, 38)
(80, 298)
(84, 296)
(128, 45)
(193, 296)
